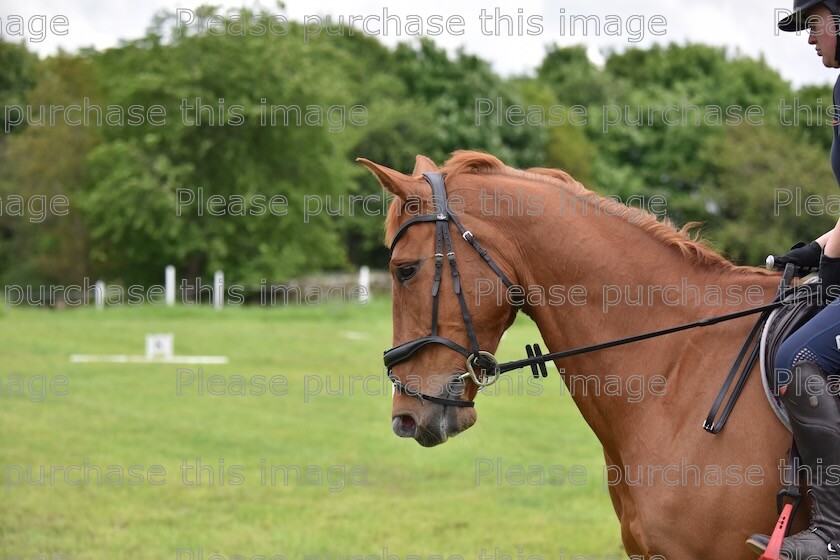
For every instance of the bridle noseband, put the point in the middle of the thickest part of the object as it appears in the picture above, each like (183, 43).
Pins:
(485, 362)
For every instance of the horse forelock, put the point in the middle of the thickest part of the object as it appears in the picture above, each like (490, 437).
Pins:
(685, 239)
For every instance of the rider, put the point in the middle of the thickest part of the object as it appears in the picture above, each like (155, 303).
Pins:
(812, 353)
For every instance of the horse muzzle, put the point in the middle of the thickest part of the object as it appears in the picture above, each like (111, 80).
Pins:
(431, 424)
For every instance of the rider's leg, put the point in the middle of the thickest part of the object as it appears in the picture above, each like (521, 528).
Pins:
(809, 362)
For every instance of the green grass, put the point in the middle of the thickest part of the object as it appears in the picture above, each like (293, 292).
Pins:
(415, 501)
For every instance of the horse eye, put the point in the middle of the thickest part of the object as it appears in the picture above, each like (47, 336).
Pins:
(407, 272)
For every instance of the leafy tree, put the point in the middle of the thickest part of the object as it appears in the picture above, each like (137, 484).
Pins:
(17, 78)
(673, 156)
(126, 181)
(238, 154)
(46, 161)
(567, 145)
(452, 88)
(574, 78)
(757, 196)
(812, 119)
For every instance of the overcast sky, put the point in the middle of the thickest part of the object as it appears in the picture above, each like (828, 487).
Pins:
(747, 27)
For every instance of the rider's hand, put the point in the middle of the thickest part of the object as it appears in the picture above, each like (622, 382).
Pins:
(801, 255)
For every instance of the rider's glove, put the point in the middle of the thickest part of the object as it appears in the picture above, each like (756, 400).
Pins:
(801, 255)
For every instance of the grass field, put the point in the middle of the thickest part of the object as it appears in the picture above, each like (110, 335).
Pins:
(361, 491)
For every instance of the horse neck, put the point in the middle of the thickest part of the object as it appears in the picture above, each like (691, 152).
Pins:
(633, 283)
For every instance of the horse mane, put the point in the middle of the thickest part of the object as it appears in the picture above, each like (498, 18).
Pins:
(685, 239)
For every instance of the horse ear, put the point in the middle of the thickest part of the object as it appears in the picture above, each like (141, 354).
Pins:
(422, 164)
(393, 181)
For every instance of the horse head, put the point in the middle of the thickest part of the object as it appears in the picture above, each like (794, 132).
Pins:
(443, 337)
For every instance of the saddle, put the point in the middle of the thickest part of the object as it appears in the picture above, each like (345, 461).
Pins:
(782, 323)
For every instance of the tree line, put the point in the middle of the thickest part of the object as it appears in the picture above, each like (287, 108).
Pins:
(212, 150)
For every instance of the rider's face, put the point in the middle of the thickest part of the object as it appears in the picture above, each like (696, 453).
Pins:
(823, 34)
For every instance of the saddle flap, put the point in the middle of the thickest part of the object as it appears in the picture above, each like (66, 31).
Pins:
(781, 324)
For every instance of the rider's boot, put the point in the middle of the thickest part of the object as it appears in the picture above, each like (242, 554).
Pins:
(815, 418)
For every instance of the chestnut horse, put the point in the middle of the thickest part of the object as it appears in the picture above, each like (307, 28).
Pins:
(639, 274)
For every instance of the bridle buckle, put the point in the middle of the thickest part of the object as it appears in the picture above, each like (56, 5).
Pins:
(487, 379)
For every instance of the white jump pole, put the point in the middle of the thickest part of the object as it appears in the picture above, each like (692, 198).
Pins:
(218, 289)
(169, 285)
(99, 294)
(364, 285)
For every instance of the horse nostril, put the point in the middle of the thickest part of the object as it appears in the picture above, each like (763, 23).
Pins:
(404, 425)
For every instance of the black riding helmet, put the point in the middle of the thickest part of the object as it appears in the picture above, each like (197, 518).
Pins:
(797, 22)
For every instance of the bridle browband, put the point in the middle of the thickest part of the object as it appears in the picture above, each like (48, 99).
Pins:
(485, 362)
(489, 367)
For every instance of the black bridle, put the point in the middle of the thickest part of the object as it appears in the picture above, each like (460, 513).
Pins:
(485, 362)
(489, 367)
